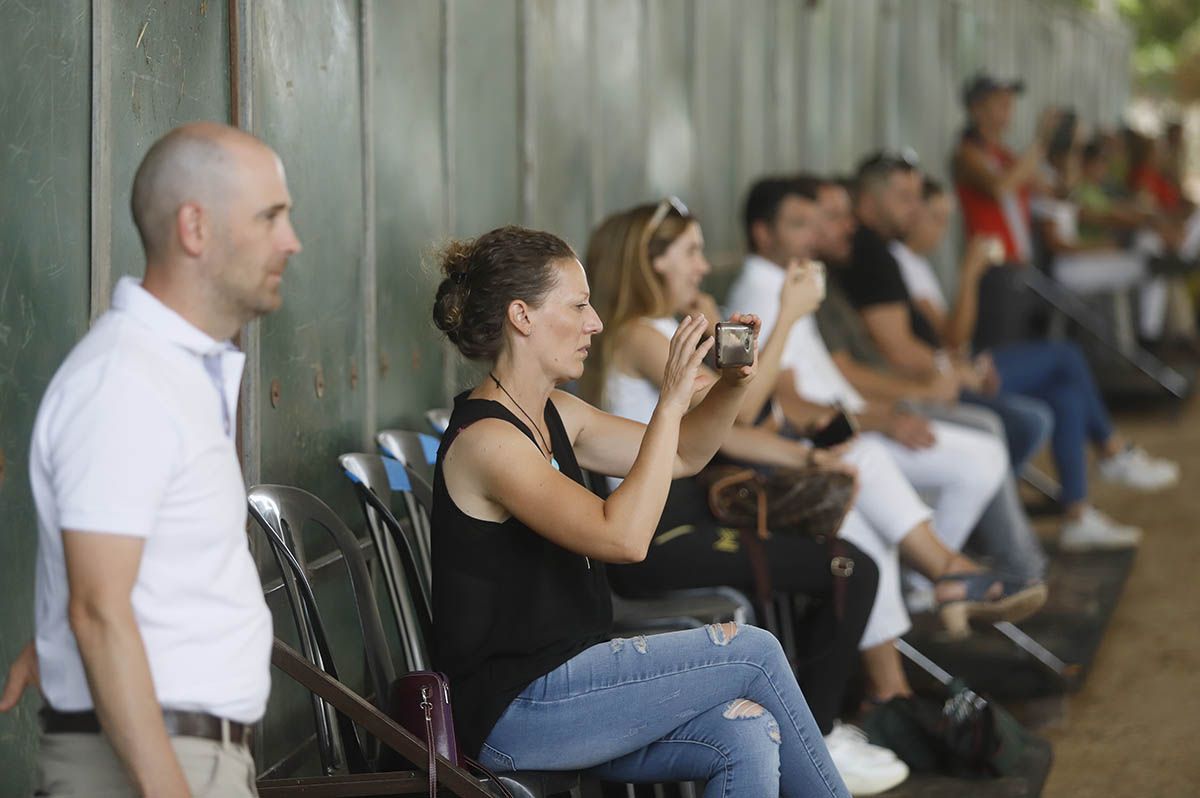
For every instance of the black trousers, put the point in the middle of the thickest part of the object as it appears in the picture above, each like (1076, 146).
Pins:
(692, 550)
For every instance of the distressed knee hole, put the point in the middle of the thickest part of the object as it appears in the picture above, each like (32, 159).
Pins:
(773, 732)
(617, 644)
(722, 633)
(743, 708)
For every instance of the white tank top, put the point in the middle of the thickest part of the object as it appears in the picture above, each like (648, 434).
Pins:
(634, 397)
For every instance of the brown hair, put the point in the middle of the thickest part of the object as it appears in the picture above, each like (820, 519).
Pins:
(624, 285)
(483, 276)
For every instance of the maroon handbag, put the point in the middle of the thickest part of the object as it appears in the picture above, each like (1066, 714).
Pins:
(420, 702)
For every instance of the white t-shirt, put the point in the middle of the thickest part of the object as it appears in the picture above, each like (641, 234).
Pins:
(817, 377)
(918, 274)
(135, 436)
(631, 396)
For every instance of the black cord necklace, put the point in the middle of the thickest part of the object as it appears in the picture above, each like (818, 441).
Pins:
(536, 428)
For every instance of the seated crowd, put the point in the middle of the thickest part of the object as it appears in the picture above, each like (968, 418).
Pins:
(942, 400)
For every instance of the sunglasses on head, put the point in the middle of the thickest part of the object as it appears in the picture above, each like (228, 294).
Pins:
(888, 160)
(662, 211)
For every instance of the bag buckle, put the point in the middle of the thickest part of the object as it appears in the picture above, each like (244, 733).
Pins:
(425, 704)
(841, 566)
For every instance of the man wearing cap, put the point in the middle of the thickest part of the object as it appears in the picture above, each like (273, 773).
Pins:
(152, 636)
(994, 185)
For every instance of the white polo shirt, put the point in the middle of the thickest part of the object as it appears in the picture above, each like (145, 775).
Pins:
(817, 377)
(918, 274)
(135, 436)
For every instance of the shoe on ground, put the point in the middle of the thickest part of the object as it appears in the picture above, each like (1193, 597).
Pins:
(866, 769)
(1135, 468)
(1095, 531)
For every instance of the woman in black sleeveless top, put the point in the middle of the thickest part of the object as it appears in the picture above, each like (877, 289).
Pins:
(521, 599)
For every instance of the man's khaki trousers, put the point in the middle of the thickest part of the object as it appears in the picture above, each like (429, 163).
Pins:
(86, 765)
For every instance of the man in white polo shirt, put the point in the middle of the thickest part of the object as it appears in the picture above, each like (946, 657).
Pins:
(153, 639)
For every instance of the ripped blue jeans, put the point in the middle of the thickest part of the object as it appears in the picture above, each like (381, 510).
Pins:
(718, 704)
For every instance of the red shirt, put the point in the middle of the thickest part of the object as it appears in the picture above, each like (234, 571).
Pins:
(1148, 180)
(985, 215)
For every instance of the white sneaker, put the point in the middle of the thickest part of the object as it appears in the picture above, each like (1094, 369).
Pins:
(1135, 468)
(866, 769)
(1094, 530)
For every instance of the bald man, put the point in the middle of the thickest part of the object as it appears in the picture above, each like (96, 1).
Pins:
(152, 636)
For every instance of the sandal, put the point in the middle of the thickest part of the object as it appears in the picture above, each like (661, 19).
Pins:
(1017, 601)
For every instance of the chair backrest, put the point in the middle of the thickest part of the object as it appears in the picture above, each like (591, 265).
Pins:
(376, 479)
(282, 512)
(416, 450)
(439, 419)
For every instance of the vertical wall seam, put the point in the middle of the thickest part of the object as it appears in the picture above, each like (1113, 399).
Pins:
(595, 199)
(370, 262)
(101, 164)
(252, 388)
(645, 97)
(449, 167)
(525, 113)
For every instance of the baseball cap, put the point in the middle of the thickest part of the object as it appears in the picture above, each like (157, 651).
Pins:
(982, 84)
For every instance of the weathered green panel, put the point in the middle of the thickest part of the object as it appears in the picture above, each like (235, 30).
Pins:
(167, 63)
(45, 56)
(410, 207)
(618, 138)
(716, 124)
(307, 105)
(559, 122)
(672, 165)
(485, 115)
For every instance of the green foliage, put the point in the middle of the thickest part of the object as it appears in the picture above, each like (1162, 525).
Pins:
(1161, 29)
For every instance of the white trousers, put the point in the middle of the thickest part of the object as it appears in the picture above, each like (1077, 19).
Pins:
(886, 510)
(1088, 273)
(961, 472)
(964, 470)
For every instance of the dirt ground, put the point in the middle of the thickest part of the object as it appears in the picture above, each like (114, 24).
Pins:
(1133, 731)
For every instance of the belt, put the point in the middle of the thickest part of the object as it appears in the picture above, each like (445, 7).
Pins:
(178, 723)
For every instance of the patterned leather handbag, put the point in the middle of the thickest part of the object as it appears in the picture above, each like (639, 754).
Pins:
(809, 501)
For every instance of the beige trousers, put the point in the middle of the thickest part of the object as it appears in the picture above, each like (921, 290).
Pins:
(86, 765)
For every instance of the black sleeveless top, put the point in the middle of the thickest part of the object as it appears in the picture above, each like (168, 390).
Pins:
(509, 606)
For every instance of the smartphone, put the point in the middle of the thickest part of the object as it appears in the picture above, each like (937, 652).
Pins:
(734, 345)
(842, 428)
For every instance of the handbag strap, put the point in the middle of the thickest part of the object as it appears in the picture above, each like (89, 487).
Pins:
(474, 765)
(756, 553)
(431, 768)
(750, 478)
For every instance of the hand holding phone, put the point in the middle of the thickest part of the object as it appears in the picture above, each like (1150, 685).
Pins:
(840, 429)
(734, 345)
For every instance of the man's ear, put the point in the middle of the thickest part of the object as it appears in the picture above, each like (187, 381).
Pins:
(191, 228)
(760, 235)
(518, 316)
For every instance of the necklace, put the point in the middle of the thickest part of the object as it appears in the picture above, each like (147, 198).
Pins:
(532, 423)
(538, 430)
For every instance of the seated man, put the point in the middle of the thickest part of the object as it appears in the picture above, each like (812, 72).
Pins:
(1004, 532)
(1053, 372)
(888, 195)
(963, 468)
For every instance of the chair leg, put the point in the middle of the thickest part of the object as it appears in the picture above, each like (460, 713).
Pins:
(1064, 670)
(1042, 482)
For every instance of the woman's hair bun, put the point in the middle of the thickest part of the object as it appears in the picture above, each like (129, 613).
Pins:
(483, 276)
